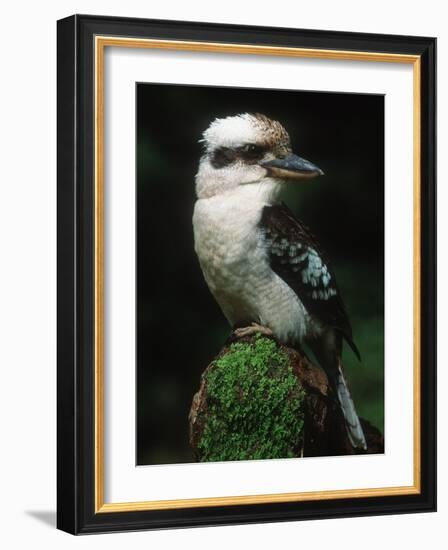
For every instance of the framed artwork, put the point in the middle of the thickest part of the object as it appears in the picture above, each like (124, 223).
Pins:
(246, 274)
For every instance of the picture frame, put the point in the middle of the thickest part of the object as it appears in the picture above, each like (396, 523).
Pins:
(82, 203)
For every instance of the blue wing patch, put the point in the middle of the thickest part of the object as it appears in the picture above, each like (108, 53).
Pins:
(295, 256)
(303, 261)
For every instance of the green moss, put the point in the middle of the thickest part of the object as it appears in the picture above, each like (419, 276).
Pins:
(254, 405)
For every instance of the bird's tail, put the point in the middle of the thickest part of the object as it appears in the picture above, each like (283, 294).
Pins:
(352, 422)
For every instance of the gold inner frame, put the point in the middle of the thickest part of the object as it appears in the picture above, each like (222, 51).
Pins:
(101, 42)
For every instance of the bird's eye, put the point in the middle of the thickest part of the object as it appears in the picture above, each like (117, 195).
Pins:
(251, 151)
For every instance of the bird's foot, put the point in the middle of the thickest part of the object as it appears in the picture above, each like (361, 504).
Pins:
(252, 329)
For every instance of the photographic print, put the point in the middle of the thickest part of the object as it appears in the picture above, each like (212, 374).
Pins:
(260, 273)
(246, 274)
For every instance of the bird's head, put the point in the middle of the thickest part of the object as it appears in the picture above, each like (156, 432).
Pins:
(249, 150)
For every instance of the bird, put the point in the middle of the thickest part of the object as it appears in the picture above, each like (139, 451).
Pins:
(264, 267)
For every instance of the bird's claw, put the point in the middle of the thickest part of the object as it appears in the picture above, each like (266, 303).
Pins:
(254, 328)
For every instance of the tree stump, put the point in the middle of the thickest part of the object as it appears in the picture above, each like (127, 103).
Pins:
(260, 399)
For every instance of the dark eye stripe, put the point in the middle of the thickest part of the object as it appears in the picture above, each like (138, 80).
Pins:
(251, 151)
(223, 156)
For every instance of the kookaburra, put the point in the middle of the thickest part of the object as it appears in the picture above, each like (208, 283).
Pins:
(263, 266)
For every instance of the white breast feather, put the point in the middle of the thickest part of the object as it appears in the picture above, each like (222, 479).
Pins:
(233, 257)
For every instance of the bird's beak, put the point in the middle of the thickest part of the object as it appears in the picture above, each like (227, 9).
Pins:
(291, 167)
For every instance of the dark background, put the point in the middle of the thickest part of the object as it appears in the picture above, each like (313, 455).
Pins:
(180, 328)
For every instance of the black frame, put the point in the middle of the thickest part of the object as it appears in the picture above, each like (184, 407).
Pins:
(75, 172)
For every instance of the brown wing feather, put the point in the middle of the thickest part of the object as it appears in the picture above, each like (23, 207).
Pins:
(296, 257)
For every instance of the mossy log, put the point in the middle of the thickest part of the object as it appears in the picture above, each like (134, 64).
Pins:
(259, 399)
